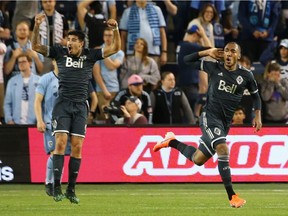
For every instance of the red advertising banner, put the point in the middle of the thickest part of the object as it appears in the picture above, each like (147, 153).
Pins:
(122, 154)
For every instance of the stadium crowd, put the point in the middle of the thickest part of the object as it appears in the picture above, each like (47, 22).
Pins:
(155, 36)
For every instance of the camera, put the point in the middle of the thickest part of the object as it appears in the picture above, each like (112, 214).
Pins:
(113, 110)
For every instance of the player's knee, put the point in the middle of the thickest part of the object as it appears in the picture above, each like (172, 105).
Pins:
(222, 149)
(76, 149)
(197, 160)
(60, 145)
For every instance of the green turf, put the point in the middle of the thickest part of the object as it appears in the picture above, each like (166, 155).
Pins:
(145, 199)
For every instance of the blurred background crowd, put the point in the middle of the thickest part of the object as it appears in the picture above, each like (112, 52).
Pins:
(146, 82)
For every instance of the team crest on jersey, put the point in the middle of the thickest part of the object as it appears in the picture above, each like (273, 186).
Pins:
(50, 143)
(54, 124)
(239, 80)
(217, 131)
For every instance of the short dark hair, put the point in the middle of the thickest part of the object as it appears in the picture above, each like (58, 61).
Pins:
(77, 33)
(233, 42)
(240, 108)
(96, 6)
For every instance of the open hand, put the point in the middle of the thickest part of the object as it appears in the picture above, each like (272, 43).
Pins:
(257, 124)
(216, 53)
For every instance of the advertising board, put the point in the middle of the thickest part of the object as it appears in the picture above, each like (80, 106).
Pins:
(124, 154)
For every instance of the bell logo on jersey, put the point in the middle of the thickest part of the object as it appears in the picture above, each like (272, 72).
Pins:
(227, 88)
(75, 64)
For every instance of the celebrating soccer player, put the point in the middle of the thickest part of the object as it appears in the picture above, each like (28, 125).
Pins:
(227, 82)
(70, 112)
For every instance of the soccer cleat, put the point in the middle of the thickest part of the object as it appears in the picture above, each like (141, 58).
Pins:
(70, 194)
(236, 201)
(49, 189)
(58, 195)
(164, 143)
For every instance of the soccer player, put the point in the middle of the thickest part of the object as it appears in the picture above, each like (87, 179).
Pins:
(46, 94)
(70, 112)
(227, 81)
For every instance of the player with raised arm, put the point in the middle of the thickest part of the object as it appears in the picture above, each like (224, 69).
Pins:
(71, 109)
(227, 82)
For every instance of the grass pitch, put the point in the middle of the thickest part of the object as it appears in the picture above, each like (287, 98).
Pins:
(145, 199)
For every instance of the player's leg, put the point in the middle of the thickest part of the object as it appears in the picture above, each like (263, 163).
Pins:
(49, 145)
(74, 166)
(49, 176)
(61, 123)
(190, 152)
(78, 131)
(224, 171)
(198, 156)
(58, 163)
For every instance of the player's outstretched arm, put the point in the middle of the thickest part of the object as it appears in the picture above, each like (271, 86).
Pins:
(35, 40)
(116, 44)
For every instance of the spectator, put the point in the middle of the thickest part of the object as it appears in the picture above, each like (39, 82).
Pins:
(131, 113)
(19, 45)
(188, 79)
(55, 27)
(197, 5)
(45, 96)
(145, 20)
(20, 94)
(105, 74)
(92, 20)
(135, 88)
(169, 103)
(274, 93)
(207, 16)
(140, 63)
(4, 25)
(24, 11)
(53, 30)
(280, 55)
(258, 21)
(239, 116)
(3, 50)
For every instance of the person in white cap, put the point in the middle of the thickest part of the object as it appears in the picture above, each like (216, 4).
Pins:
(131, 111)
(280, 56)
